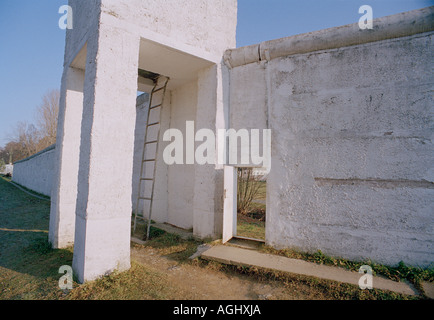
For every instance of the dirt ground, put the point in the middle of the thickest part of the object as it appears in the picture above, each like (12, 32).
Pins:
(199, 283)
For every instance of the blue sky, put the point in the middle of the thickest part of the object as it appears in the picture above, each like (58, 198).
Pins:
(32, 45)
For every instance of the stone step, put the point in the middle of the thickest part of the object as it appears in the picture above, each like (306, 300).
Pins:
(246, 257)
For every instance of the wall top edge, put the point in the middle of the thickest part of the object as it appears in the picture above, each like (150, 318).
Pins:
(50, 148)
(390, 27)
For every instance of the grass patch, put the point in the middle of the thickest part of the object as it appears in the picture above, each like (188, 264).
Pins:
(32, 192)
(138, 283)
(252, 212)
(250, 227)
(29, 266)
(172, 245)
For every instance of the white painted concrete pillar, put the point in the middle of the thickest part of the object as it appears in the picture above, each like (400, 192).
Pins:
(208, 183)
(103, 213)
(230, 204)
(64, 189)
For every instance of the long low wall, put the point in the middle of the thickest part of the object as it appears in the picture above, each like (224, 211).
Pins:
(36, 172)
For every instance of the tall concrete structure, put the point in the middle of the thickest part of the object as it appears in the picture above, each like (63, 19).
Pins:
(110, 41)
(349, 109)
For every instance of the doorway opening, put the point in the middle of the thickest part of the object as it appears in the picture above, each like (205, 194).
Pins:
(244, 214)
(251, 203)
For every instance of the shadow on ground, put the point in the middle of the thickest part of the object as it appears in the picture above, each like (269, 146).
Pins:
(26, 257)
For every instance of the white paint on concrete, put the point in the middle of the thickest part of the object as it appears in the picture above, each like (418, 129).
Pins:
(359, 112)
(208, 179)
(35, 172)
(390, 27)
(230, 203)
(111, 40)
(66, 160)
(181, 176)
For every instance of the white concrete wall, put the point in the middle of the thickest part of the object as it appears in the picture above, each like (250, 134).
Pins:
(36, 172)
(352, 128)
(181, 176)
(173, 194)
(186, 195)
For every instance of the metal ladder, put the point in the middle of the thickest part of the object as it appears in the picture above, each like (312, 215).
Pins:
(152, 136)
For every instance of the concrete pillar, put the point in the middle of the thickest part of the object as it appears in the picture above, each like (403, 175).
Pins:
(64, 190)
(210, 114)
(103, 210)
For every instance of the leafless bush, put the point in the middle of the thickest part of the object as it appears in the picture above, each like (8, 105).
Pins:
(248, 188)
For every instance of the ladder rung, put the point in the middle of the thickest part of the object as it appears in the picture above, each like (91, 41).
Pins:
(154, 107)
(143, 198)
(149, 160)
(153, 124)
(146, 179)
(159, 89)
(150, 142)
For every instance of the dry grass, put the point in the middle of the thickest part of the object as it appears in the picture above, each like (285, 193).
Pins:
(29, 267)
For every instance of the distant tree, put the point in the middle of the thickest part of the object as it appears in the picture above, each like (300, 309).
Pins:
(247, 189)
(46, 117)
(26, 139)
(12, 152)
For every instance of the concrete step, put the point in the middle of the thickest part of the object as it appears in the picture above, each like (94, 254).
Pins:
(182, 233)
(246, 257)
(245, 243)
(428, 287)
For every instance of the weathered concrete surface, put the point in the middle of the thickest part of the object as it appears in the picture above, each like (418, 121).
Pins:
(103, 210)
(66, 160)
(36, 172)
(351, 113)
(394, 26)
(245, 257)
(352, 148)
(182, 233)
(428, 287)
(202, 28)
(208, 178)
